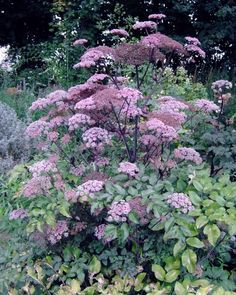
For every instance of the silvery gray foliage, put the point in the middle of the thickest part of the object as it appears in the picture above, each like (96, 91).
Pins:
(14, 147)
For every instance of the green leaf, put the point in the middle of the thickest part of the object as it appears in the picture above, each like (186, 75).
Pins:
(133, 191)
(172, 275)
(120, 190)
(124, 231)
(213, 233)
(133, 216)
(159, 272)
(195, 242)
(201, 221)
(195, 199)
(179, 289)
(64, 210)
(197, 185)
(95, 265)
(179, 247)
(189, 259)
(75, 286)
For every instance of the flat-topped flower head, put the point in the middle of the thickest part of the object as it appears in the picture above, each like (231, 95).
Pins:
(145, 25)
(80, 42)
(220, 86)
(195, 50)
(86, 104)
(97, 78)
(43, 167)
(162, 41)
(193, 41)
(128, 168)
(180, 201)
(38, 185)
(157, 16)
(55, 234)
(206, 105)
(18, 214)
(89, 188)
(79, 120)
(37, 128)
(188, 154)
(118, 211)
(96, 137)
(89, 58)
(119, 32)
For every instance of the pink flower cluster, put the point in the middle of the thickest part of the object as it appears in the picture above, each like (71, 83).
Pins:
(130, 94)
(157, 16)
(193, 40)
(86, 104)
(221, 85)
(97, 78)
(194, 49)
(65, 139)
(78, 171)
(80, 42)
(56, 121)
(96, 137)
(119, 32)
(37, 128)
(128, 168)
(206, 105)
(164, 132)
(71, 195)
(100, 233)
(102, 161)
(145, 25)
(89, 58)
(79, 120)
(18, 214)
(162, 41)
(55, 234)
(189, 154)
(118, 211)
(43, 167)
(38, 185)
(148, 139)
(52, 136)
(180, 201)
(89, 188)
(168, 103)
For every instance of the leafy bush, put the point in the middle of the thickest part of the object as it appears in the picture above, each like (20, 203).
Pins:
(116, 200)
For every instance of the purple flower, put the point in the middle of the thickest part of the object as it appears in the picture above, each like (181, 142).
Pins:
(188, 154)
(18, 214)
(180, 201)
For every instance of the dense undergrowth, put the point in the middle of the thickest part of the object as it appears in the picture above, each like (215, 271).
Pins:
(132, 188)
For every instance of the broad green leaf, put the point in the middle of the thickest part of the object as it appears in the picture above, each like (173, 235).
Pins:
(172, 275)
(197, 185)
(124, 231)
(195, 242)
(189, 259)
(75, 286)
(201, 221)
(179, 289)
(95, 265)
(133, 216)
(159, 272)
(64, 210)
(195, 199)
(213, 233)
(179, 247)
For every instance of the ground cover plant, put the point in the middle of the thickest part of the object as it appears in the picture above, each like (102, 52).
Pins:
(123, 196)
